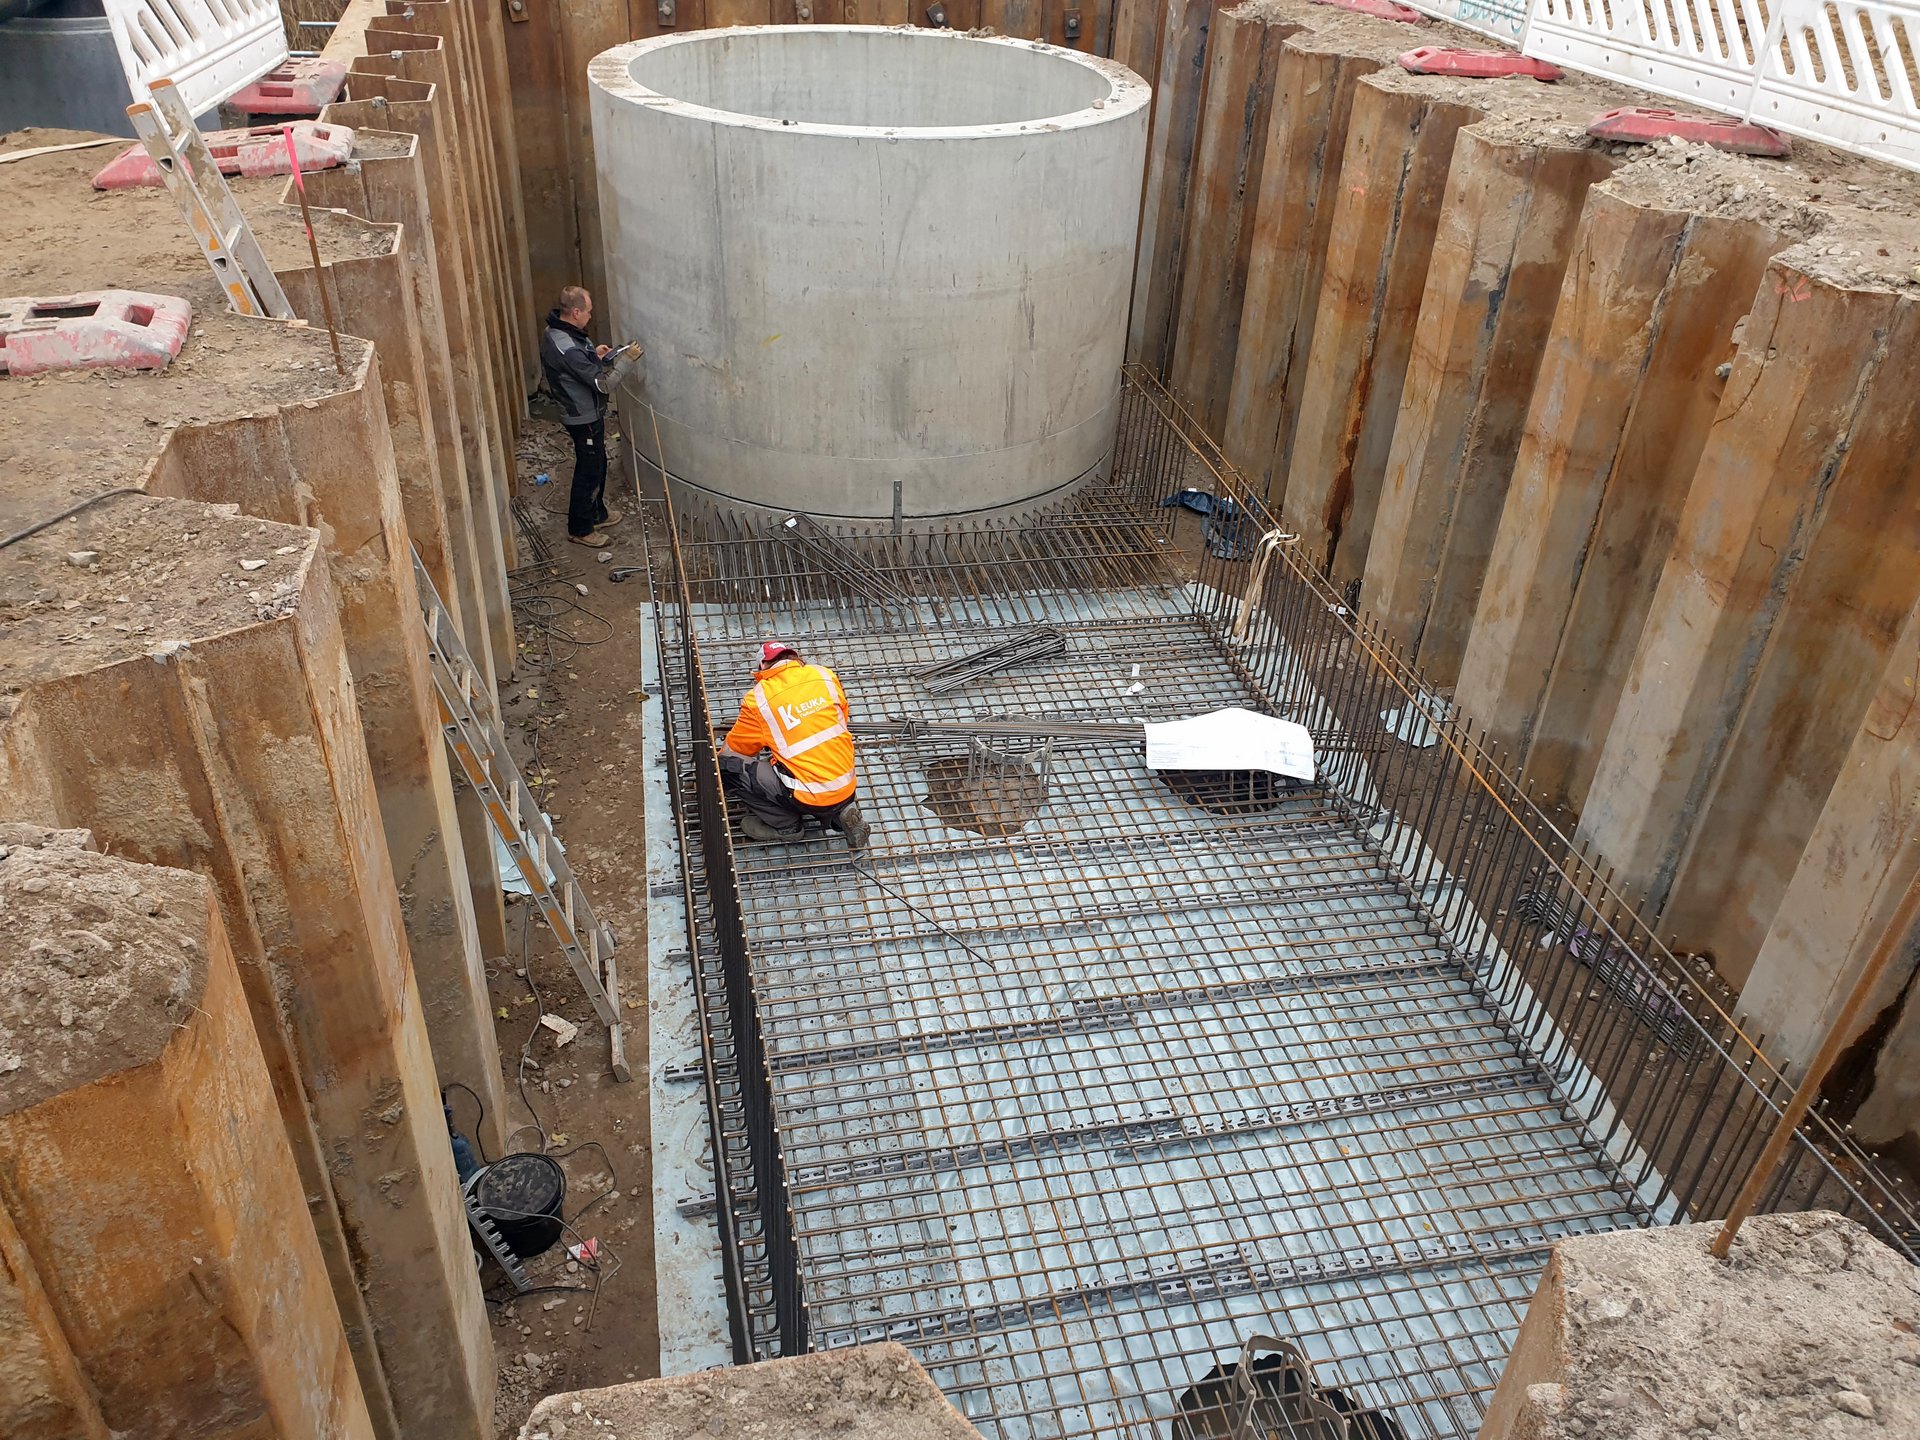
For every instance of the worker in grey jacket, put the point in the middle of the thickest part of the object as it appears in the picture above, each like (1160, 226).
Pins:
(581, 375)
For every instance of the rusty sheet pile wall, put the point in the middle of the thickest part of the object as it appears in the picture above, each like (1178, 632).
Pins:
(214, 670)
(1615, 440)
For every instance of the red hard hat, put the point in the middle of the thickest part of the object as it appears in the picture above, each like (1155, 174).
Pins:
(773, 650)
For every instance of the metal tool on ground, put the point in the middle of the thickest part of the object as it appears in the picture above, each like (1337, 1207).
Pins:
(165, 126)
(1059, 732)
(1029, 647)
(479, 747)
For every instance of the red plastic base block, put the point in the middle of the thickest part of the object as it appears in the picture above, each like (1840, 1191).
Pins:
(97, 329)
(1379, 9)
(1477, 64)
(1639, 126)
(298, 87)
(247, 153)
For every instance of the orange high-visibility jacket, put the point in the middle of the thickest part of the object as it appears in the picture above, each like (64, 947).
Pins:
(799, 712)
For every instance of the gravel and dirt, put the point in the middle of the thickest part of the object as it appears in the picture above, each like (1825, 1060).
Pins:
(870, 1392)
(100, 960)
(572, 712)
(72, 435)
(1809, 1328)
(132, 575)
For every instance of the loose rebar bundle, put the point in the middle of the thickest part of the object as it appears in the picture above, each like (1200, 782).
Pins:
(1613, 965)
(1042, 642)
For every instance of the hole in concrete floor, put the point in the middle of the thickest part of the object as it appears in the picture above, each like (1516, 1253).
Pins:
(990, 799)
(1227, 792)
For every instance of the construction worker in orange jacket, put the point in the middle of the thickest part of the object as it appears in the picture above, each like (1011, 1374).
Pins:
(790, 754)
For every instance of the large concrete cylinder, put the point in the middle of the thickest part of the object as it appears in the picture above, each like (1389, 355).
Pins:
(882, 275)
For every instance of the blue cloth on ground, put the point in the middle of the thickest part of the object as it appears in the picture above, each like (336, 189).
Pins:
(1229, 534)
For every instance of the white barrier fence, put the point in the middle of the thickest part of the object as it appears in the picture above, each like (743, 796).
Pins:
(1504, 20)
(1843, 72)
(1848, 74)
(208, 48)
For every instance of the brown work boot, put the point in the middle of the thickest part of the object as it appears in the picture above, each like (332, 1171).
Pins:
(611, 518)
(593, 540)
(852, 824)
(758, 830)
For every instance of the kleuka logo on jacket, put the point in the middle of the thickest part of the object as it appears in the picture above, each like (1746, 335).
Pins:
(791, 715)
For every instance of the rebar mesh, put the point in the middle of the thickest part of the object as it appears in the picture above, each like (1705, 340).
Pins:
(1073, 1106)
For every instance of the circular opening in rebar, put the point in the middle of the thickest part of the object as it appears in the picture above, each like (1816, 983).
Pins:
(1227, 792)
(860, 77)
(991, 800)
(1283, 1398)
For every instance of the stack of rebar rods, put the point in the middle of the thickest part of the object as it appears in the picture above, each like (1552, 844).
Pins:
(1041, 642)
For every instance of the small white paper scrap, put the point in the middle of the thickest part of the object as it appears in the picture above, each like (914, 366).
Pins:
(1232, 739)
(508, 868)
(1409, 722)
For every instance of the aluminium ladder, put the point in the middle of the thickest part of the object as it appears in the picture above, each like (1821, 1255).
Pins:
(489, 1234)
(479, 747)
(165, 127)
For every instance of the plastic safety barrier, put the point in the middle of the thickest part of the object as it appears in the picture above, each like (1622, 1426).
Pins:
(1476, 64)
(1848, 74)
(97, 329)
(1640, 125)
(1844, 72)
(246, 153)
(208, 48)
(299, 87)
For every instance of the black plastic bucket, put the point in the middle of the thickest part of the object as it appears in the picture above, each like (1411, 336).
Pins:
(523, 1196)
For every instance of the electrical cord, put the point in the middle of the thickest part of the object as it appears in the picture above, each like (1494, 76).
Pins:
(591, 1266)
(526, 1047)
(71, 510)
(478, 1143)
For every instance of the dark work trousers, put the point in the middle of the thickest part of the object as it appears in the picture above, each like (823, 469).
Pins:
(758, 787)
(587, 506)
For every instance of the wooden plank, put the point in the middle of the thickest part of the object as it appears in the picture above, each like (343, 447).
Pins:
(490, 27)
(489, 460)
(396, 189)
(1163, 205)
(349, 37)
(534, 51)
(1025, 19)
(487, 206)
(586, 28)
(1299, 189)
(1243, 54)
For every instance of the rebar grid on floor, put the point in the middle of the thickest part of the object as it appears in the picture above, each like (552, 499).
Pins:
(1074, 1095)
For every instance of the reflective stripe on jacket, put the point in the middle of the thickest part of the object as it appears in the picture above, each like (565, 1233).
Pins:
(800, 713)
